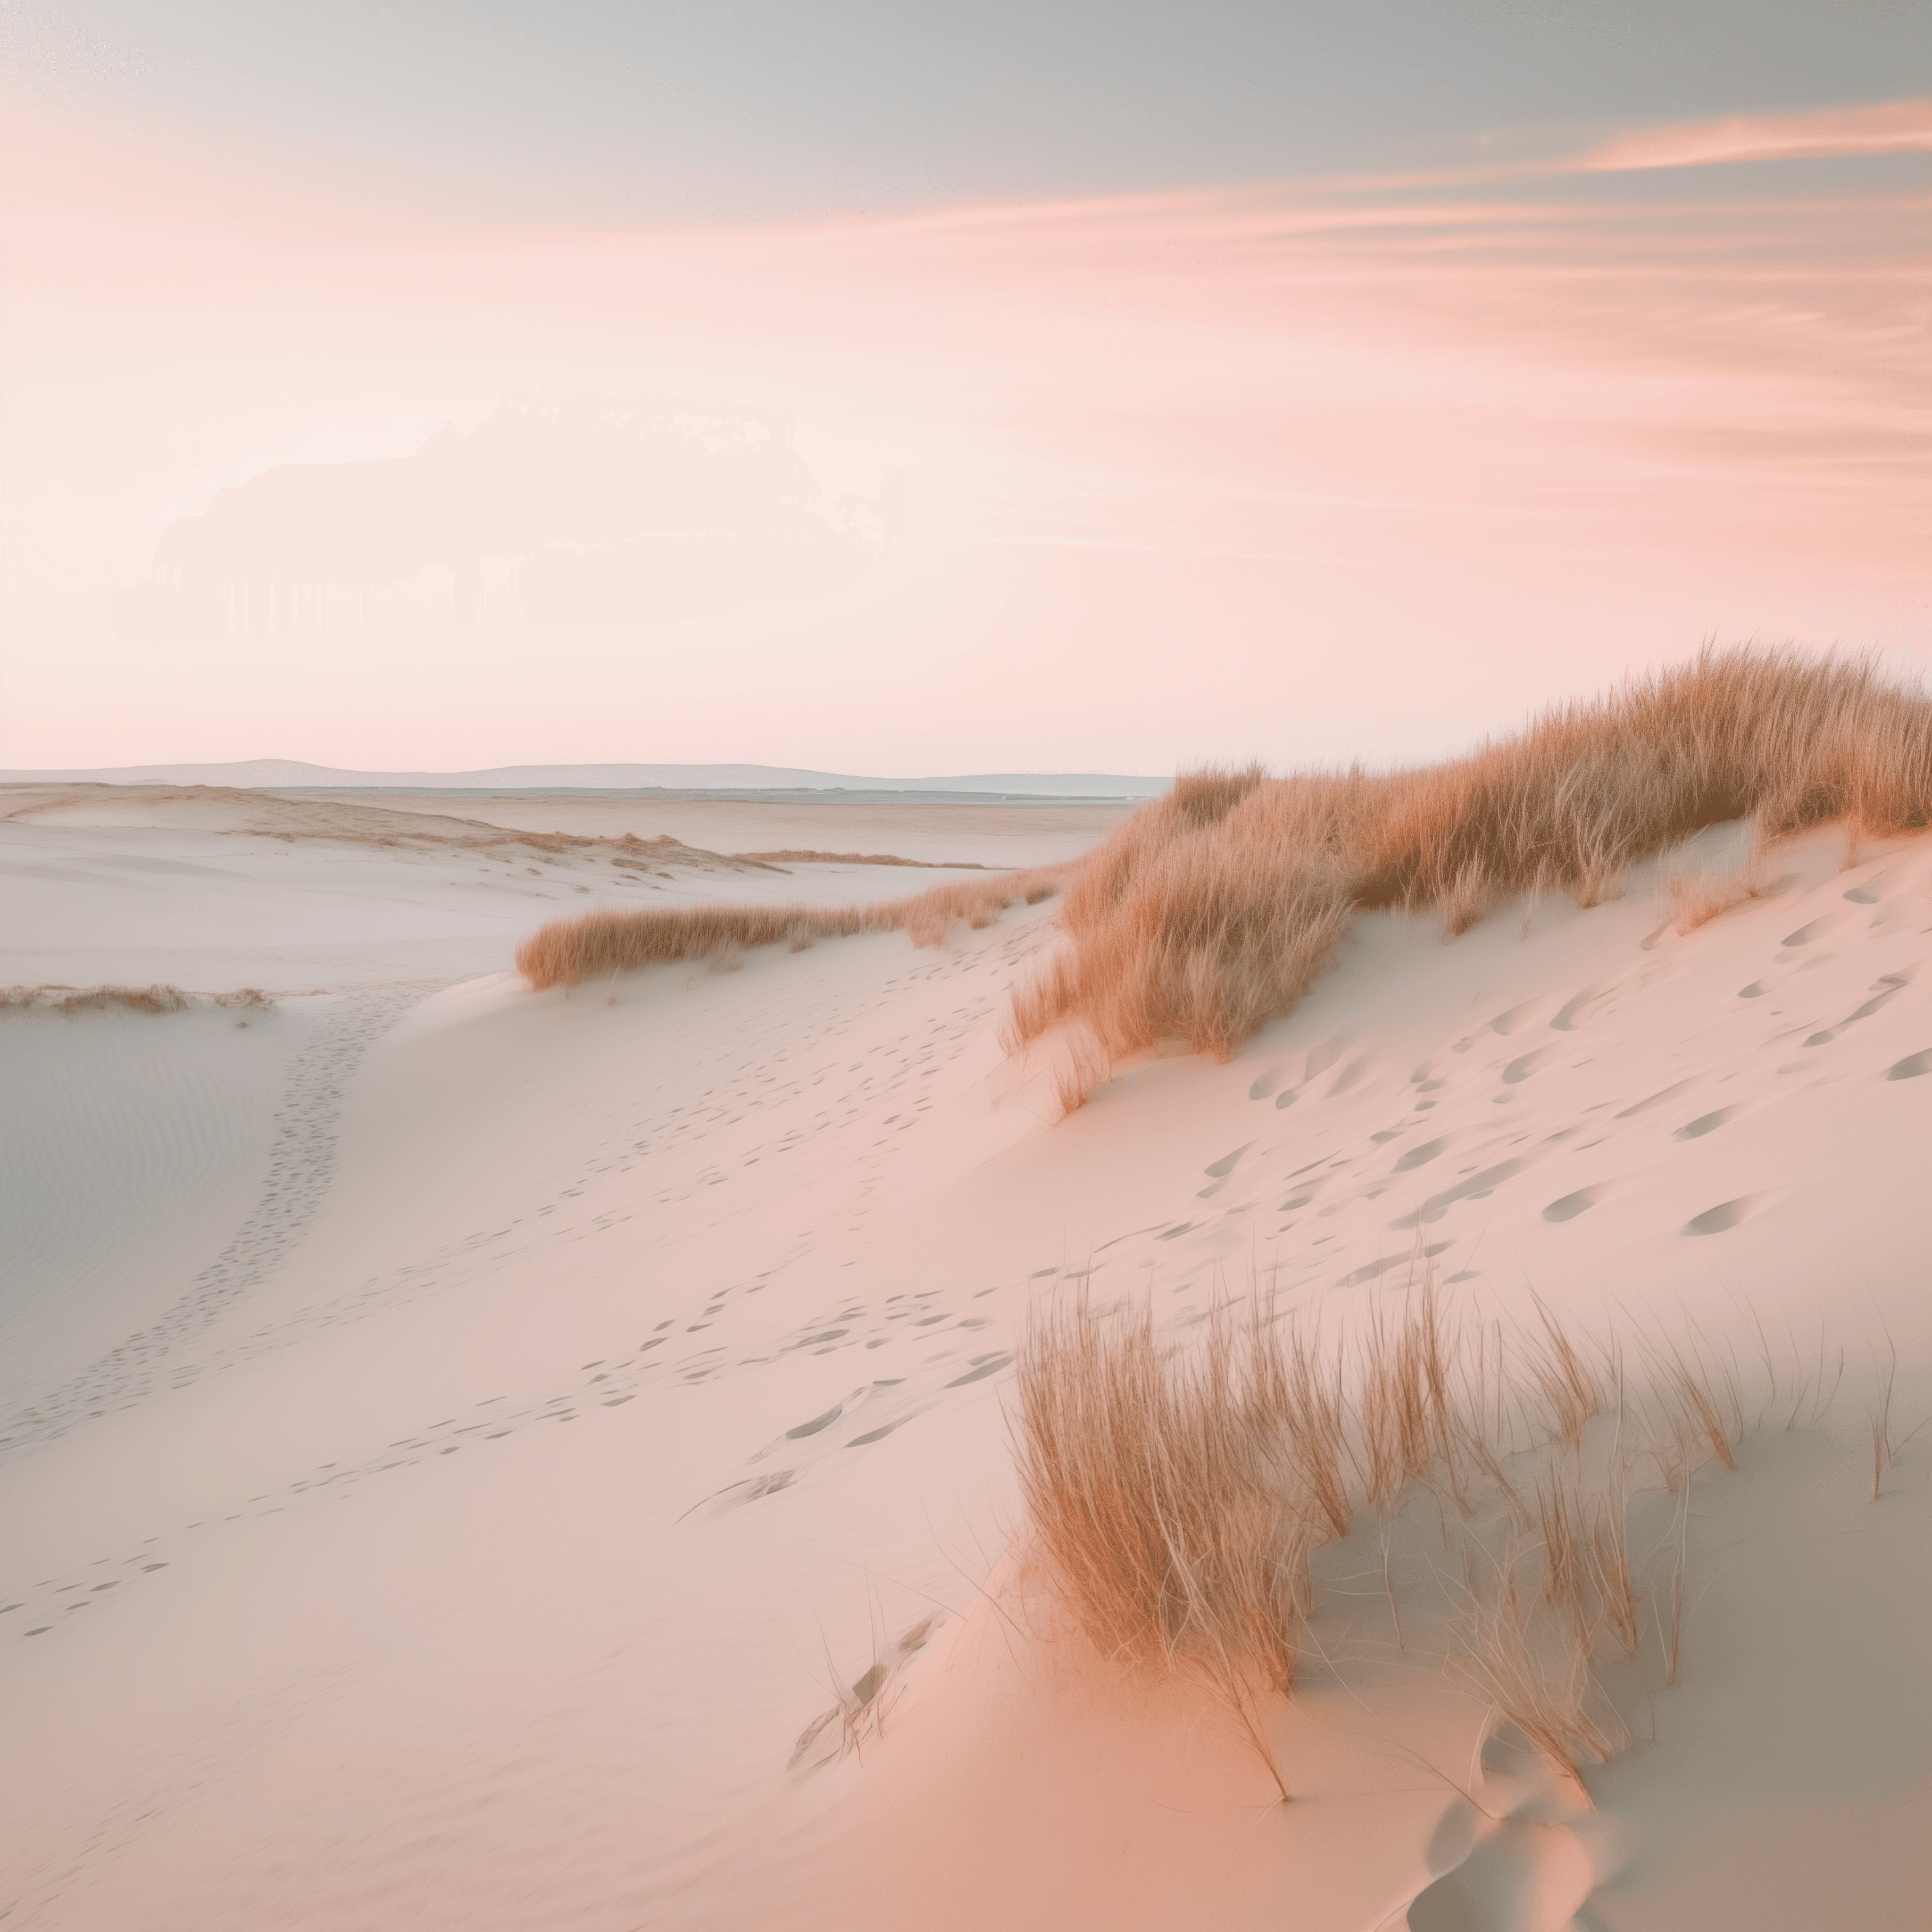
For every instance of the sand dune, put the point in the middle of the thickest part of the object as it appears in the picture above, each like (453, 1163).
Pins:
(212, 889)
(348, 821)
(550, 1409)
(995, 835)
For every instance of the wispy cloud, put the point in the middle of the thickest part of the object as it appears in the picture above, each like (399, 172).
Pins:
(1888, 128)
(1390, 451)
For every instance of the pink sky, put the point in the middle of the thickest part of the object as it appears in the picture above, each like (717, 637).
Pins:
(1307, 472)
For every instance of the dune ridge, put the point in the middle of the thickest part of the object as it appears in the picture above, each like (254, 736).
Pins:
(532, 1414)
(379, 827)
(1211, 911)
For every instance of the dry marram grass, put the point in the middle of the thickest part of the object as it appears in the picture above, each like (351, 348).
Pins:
(1211, 910)
(155, 999)
(566, 952)
(1176, 1494)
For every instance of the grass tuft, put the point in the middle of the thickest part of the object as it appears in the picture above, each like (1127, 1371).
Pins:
(155, 999)
(1176, 1493)
(568, 951)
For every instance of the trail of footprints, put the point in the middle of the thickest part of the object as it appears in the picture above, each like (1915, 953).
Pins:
(900, 1069)
(875, 1409)
(1487, 1156)
(301, 1164)
(744, 1087)
(1479, 1154)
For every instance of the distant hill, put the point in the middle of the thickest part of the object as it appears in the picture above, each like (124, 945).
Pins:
(290, 774)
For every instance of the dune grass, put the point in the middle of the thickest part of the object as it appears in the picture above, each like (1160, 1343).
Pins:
(1175, 1495)
(1211, 910)
(595, 944)
(155, 999)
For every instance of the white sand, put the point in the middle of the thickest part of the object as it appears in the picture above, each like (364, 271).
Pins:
(213, 889)
(412, 1507)
(985, 834)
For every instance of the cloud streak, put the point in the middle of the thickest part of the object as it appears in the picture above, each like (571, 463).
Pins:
(1887, 128)
(1376, 457)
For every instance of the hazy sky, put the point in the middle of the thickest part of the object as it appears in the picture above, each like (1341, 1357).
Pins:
(784, 108)
(1303, 381)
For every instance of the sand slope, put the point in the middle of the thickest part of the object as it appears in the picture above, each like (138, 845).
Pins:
(518, 1449)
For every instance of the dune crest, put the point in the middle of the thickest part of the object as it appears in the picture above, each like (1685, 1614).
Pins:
(1213, 910)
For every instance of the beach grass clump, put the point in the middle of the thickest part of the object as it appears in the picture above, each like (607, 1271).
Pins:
(596, 944)
(1211, 911)
(1156, 1487)
(155, 999)
(1176, 1492)
(152, 999)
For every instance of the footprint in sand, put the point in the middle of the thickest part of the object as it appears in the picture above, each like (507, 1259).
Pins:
(1568, 1018)
(1508, 1021)
(1911, 1066)
(1265, 1083)
(1571, 1205)
(1373, 1271)
(1656, 1100)
(1350, 1074)
(983, 1366)
(1320, 1059)
(1425, 1080)
(816, 1423)
(1215, 1169)
(1805, 934)
(1419, 1156)
(1728, 1214)
(1437, 1205)
(1706, 1124)
(1888, 988)
(1525, 1064)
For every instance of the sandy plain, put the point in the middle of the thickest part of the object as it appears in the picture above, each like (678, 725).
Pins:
(461, 1443)
(991, 834)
